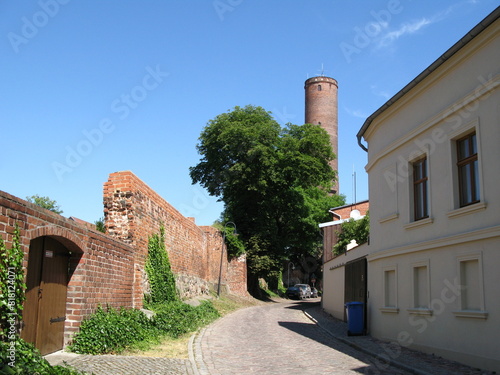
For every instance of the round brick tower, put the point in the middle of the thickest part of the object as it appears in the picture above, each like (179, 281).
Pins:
(321, 109)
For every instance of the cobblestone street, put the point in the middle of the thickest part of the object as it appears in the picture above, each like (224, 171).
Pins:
(276, 339)
(281, 337)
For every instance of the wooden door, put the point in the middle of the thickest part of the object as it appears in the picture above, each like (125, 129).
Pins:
(45, 307)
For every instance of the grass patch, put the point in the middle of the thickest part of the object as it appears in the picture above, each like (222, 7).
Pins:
(170, 347)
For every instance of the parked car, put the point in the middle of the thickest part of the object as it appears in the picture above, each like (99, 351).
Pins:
(314, 293)
(306, 290)
(294, 292)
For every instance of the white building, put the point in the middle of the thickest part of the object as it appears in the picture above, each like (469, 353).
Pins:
(434, 176)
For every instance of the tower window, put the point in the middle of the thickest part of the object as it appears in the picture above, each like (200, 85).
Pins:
(319, 87)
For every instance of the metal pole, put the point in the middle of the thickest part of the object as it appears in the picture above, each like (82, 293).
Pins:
(293, 267)
(288, 281)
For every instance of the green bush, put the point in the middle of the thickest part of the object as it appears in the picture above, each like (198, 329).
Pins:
(28, 360)
(177, 318)
(112, 331)
(358, 230)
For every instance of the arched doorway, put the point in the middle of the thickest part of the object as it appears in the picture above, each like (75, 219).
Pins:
(47, 280)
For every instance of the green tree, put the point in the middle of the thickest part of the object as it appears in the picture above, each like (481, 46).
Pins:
(99, 225)
(274, 183)
(45, 202)
(358, 230)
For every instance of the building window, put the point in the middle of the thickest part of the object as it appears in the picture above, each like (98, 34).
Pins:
(471, 292)
(420, 206)
(468, 171)
(469, 280)
(319, 87)
(420, 287)
(390, 290)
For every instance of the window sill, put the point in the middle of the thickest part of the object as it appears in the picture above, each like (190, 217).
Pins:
(475, 314)
(389, 310)
(419, 223)
(420, 311)
(473, 208)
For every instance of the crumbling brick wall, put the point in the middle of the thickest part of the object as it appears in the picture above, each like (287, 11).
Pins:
(133, 212)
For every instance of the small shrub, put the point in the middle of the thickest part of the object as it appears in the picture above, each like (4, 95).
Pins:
(111, 331)
(177, 318)
(28, 360)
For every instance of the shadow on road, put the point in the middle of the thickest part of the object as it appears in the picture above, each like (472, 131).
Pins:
(303, 304)
(313, 332)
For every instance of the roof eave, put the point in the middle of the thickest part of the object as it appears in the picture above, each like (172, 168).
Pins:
(481, 26)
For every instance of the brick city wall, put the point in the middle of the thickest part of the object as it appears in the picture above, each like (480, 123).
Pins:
(133, 212)
(101, 267)
(108, 269)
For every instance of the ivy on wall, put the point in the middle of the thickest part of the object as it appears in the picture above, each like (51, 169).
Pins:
(159, 273)
(12, 287)
(235, 246)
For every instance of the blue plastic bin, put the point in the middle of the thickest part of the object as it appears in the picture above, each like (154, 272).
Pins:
(355, 318)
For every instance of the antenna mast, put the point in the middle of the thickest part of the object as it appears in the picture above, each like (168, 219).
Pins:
(354, 184)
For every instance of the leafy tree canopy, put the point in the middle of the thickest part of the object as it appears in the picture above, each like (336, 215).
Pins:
(274, 182)
(45, 202)
(357, 230)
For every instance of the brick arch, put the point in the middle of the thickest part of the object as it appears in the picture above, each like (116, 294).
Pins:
(66, 236)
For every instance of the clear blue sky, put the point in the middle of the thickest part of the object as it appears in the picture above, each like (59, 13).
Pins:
(88, 88)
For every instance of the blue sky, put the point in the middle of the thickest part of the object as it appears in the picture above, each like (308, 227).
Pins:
(88, 88)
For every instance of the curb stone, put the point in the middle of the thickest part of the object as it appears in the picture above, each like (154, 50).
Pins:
(392, 362)
(191, 353)
(409, 360)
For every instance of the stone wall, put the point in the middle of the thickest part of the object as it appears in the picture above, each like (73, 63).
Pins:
(133, 212)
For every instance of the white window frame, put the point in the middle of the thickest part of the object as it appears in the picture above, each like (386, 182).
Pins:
(412, 223)
(455, 209)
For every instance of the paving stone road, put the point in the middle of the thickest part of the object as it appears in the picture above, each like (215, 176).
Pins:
(276, 338)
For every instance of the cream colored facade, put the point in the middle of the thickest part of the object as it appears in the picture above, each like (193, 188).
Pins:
(434, 283)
